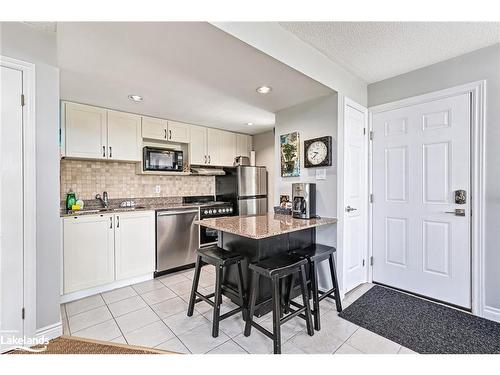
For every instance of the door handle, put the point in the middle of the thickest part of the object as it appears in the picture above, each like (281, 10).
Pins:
(457, 212)
(350, 209)
(110, 152)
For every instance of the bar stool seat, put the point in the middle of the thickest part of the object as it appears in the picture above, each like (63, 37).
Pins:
(219, 258)
(276, 269)
(316, 254)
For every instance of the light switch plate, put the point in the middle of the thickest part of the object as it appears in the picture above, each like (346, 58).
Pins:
(320, 174)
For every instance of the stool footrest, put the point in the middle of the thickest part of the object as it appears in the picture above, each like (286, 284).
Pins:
(327, 293)
(231, 313)
(205, 298)
(262, 330)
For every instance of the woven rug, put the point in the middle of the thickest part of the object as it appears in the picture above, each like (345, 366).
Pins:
(73, 345)
(421, 325)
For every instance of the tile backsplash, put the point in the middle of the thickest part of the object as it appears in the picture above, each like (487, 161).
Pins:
(87, 178)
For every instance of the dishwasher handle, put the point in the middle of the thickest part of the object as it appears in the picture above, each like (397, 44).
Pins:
(170, 213)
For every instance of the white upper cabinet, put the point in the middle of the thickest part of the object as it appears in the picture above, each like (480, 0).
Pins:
(134, 244)
(178, 132)
(124, 136)
(214, 142)
(85, 131)
(243, 145)
(198, 145)
(227, 148)
(88, 251)
(154, 128)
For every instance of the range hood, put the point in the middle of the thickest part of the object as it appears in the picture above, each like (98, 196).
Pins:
(207, 171)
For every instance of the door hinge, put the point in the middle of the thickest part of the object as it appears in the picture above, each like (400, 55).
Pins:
(371, 261)
(363, 262)
(371, 135)
(364, 131)
(23, 102)
(23, 313)
(371, 198)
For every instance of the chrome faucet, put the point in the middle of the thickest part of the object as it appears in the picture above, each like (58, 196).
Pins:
(104, 199)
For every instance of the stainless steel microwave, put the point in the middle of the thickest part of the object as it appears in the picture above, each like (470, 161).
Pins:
(157, 159)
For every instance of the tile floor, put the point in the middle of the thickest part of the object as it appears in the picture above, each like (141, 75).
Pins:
(153, 314)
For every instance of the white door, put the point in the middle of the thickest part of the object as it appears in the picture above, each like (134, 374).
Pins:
(178, 132)
(134, 244)
(123, 136)
(85, 129)
(11, 208)
(198, 145)
(421, 156)
(227, 149)
(154, 128)
(88, 256)
(355, 195)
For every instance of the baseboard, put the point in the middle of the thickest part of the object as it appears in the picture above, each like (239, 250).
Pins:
(50, 332)
(491, 313)
(65, 298)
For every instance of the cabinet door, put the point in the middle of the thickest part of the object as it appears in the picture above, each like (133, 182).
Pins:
(88, 251)
(178, 132)
(85, 131)
(214, 142)
(198, 145)
(134, 244)
(123, 136)
(154, 128)
(227, 148)
(243, 144)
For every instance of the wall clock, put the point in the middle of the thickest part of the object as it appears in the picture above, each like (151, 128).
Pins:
(318, 152)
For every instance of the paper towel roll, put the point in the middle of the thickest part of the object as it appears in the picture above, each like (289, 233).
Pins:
(252, 158)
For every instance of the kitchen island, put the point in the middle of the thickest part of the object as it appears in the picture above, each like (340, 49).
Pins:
(258, 237)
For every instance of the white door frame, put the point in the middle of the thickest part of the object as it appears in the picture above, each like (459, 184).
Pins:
(340, 190)
(478, 124)
(29, 186)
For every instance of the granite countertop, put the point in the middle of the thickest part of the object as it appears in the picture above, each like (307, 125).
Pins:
(262, 226)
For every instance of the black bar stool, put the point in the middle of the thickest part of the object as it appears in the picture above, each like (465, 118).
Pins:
(316, 254)
(219, 258)
(277, 269)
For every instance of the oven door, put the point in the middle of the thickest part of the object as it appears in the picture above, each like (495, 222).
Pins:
(208, 236)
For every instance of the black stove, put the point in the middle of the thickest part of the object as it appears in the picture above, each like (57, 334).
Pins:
(217, 209)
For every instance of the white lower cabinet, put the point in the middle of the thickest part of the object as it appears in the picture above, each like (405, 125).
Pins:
(101, 249)
(134, 244)
(89, 258)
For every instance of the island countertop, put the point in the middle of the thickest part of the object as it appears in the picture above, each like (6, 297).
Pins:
(262, 226)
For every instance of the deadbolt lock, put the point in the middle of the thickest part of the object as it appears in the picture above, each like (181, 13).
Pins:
(460, 197)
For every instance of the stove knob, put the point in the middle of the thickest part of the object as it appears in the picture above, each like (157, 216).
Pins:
(211, 212)
(220, 211)
(205, 212)
(230, 209)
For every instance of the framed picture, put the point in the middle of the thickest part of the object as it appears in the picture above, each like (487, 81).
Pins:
(290, 158)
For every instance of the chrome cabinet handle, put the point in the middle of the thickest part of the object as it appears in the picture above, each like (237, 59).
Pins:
(205, 159)
(110, 222)
(118, 221)
(103, 151)
(165, 136)
(457, 212)
(208, 159)
(170, 134)
(110, 152)
(350, 209)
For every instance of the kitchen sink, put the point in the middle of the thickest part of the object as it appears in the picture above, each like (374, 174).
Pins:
(100, 210)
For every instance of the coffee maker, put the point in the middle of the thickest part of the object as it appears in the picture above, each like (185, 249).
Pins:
(303, 200)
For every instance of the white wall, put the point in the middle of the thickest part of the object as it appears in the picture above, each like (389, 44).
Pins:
(316, 118)
(483, 64)
(263, 145)
(22, 42)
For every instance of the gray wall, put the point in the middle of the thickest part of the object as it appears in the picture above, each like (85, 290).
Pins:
(263, 145)
(483, 64)
(22, 42)
(316, 118)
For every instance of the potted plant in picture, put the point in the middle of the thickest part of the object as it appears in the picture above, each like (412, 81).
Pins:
(289, 156)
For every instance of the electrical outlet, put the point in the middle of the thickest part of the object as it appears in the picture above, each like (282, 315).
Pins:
(158, 189)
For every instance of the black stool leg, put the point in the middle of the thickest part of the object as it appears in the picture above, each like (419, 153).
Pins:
(240, 292)
(194, 288)
(276, 315)
(217, 301)
(315, 295)
(251, 302)
(335, 283)
(305, 299)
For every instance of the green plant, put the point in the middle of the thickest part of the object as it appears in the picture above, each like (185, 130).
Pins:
(289, 151)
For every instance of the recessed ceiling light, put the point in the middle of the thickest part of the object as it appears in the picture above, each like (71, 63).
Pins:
(135, 98)
(264, 89)
(249, 123)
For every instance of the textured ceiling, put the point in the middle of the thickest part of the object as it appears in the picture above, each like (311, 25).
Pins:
(186, 71)
(378, 50)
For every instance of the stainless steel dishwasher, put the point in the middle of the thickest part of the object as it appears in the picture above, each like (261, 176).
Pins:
(177, 238)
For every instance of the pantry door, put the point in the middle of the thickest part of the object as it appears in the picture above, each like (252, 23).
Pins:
(421, 219)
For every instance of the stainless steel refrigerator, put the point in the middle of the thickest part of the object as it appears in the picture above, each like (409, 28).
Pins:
(252, 190)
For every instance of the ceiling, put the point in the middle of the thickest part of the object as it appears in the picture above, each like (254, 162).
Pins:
(185, 71)
(378, 50)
